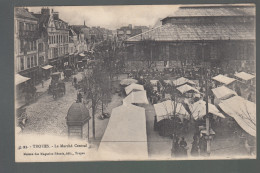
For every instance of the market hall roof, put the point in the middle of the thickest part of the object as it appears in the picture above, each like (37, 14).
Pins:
(215, 10)
(196, 32)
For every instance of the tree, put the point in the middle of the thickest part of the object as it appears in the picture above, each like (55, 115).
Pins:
(95, 85)
(148, 48)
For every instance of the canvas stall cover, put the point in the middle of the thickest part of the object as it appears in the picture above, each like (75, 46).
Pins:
(224, 79)
(243, 111)
(198, 110)
(138, 97)
(244, 76)
(128, 81)
(182, 81)
(223, 92)
(20, 79)
(125, 136)
(186, 88)
(133, 87)
(165, 109)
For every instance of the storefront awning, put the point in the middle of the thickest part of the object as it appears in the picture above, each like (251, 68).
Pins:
(47, 67)
(20, 79)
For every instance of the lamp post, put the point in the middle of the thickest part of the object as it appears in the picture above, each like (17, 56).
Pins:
(207, 137)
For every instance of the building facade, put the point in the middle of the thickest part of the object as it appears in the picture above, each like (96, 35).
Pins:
(222, 35)
(26, 35)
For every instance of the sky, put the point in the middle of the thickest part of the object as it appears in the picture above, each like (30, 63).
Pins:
(112, 17)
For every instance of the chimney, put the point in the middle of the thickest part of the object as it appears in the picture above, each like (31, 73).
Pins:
(45, 11)
(55, 15)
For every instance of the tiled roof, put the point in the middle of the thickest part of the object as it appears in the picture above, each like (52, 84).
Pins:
(215, 11)
(193, 32)
(21, 12)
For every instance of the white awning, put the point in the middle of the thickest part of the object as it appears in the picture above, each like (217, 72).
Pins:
(244, 76)
(128, 81)
(182, 81)
(186, 88)
(154, 82)
(138, 97)
(133, 87)
(223, 92)
(125, 137)
(243, 111)
(166, 109)
(81, 54)
(198, 110)
(224, 79)
(47, 67)
(20, 79)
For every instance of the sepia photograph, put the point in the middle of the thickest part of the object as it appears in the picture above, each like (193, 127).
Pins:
(135, 82)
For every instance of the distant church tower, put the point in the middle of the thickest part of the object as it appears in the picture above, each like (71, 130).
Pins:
(84, 23)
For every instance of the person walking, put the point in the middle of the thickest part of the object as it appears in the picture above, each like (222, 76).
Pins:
(183, 147)
(79, 97)
(195, 147)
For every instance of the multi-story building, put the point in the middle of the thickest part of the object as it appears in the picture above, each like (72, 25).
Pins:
(26, 34)
(223, 35)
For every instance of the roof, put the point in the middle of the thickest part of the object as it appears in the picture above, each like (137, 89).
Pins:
(20, 79)
(138, 97)
(197, 32)
(244, 76)
(186, 88)
(77, 113)
(133, 87)
(198, 110)
(181, 81)
(125, 137)
(215, 10)
(166, 109)
(243, 111)
(223, 79)
(23, 13)
(223, 92)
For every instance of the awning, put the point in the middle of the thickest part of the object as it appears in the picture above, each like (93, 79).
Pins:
(133, 87)
(81, 54)
(182, 81)
(243, 111)
(224, 79)
(125, 137)
(154, 82)
(47, 67)
(20, 79)
(244, 76)
(198, 110)
(166, 109)
(223, 92)
(186, 88)
(138, 97)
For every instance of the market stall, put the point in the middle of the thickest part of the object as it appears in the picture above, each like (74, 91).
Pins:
(243, 111)
(222, 93)
(181, 81)
(137, 97)
(133, 87)
(125, 136)
(187, 90)
(128, 81)
(224, 80)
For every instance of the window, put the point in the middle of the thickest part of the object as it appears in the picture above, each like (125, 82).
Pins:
(21, 45)
(22, 63)
(35, 60)
(32, 63)
(28, 62)
(40, 47)
(21, 26)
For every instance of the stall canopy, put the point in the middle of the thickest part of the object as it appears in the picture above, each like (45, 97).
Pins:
(243, 111)
(20, 79)
(127, 81)
(125, 136)
(154, 82)
(223, 79)
(223, 92)
(166, 109)
(198, 110)
(133, 87)
(169, 82)
(244, 76)
(186, 88)
(81, 54)
(47, 67)
(182, 81)
(138, 97)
